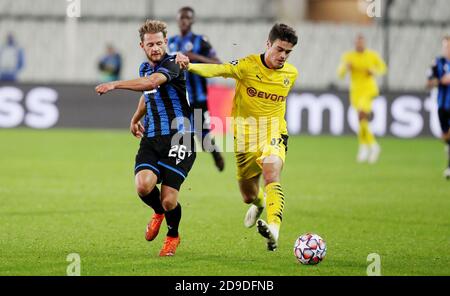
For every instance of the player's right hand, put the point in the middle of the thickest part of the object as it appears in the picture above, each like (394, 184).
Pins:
(370, 72)
(104, 88)
(182, 60)
(446, 79)
(137, 129)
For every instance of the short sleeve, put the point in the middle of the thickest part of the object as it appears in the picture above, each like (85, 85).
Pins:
(169, 69)
(433, 71)
(143, 69)
(206, 48)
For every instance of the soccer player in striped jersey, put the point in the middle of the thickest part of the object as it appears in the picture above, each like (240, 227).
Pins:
(363, 65)
(439, 76)
(167, 149)
(199, 50)
(263, 82)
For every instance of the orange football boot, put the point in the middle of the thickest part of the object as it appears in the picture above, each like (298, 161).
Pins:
(153, 226)
(170, 246)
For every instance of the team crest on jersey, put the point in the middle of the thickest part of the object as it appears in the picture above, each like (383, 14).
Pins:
(189, 46)
(286, 81)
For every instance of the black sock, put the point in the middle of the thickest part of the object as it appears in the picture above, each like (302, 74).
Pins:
(208, 145)
(448, 152)
(173, 218)
(153, 200)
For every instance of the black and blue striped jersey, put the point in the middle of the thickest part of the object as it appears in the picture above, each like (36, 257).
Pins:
(168, 108)
(441, 68)
(198, 44)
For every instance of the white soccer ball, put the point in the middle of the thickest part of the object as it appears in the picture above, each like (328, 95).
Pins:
(310, 249)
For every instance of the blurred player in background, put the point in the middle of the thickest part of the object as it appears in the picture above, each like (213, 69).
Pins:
(110, 65)
(439, 76)
(363, 65)
(199, 50)
(11, 59)
(259, 107)
(167, 149)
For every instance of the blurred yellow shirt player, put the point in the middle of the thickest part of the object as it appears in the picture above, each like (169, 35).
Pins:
(363, 65)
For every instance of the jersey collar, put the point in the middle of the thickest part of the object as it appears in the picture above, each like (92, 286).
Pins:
(264, 62)
(187, 36)
(165, 57)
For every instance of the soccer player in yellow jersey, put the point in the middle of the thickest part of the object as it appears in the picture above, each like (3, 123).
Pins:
(263, 82)
(363, 65)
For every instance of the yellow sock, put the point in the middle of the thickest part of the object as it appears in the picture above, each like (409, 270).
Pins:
(259, 201)
(362, 139)
(275, 203)
(369, 138)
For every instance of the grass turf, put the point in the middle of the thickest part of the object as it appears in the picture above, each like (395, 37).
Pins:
(72, 191)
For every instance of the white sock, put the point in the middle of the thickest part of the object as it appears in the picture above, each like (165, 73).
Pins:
(275, 229)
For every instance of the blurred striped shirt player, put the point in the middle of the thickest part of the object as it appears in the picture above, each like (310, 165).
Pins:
(199, 50)
(438, 71)
(439, 76)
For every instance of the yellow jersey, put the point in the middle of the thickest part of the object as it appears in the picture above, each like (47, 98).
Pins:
(362, 83)
(260, 94)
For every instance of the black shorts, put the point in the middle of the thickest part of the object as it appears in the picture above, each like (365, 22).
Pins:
(170, 157)
(444, 120)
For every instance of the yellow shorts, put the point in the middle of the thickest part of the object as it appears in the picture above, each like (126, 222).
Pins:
(362, 102)
(249, 164)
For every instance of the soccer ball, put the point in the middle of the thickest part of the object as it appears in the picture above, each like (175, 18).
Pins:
(310, 249)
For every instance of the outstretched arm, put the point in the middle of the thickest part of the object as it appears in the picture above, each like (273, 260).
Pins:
(233, 69)
(212, 70)
(206, 53)
(136, 127)
(140, 84)
(202, 59)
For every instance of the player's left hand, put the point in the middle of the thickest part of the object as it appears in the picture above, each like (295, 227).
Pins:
(104, 88)
(137, 129)
(182, 60)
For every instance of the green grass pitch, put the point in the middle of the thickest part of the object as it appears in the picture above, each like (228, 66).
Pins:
(72, 191)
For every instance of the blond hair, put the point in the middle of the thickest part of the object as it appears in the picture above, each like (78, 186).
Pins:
(153, 27)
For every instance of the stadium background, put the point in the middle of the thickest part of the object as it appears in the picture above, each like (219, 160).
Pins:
(65, 50)
(43, 173)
